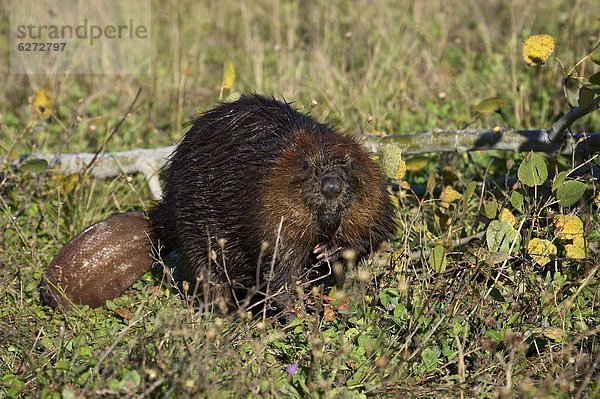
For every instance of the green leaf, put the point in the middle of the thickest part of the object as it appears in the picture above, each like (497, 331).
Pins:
(437, 259)
(516, 200)
(533, 170)
(571, 89)
(570, 192)
(389, 295)
(430, 358)
(497, 295)
(468, 194)
(497, 336)
(85, 352)
(400, 311)
(13, 382)
(68, 392)
(34, 166)
(595, 57)
(500, 237)
(62, 364)
(559, 179)
(131, 379)
(490, 105)
(294, 323)
(490, 209)
(586, 96)
(595, 79)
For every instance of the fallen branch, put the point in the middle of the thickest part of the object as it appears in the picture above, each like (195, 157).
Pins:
(145, 161)
(441, 140)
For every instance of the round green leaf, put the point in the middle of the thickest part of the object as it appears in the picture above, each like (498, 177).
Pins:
(430, 358)
(34, 166)
(570, 192)
(490, 209)
(533, 170)
(500, 237)
(586, 96)
(559, 179)
(516, 200)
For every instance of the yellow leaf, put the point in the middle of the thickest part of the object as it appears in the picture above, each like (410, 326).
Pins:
(430, 184)
(67, 183)
(395, 200)
(42, 103)
(416, 163)
(489, 105)
(507, 216)
(391, 161)
(568, 226)
(541, 250)
(449, 195)
(397, 260)
(577, 250)
(553, 333)
(228, 75)
(574, 252)
(597, 200)
(537, 49)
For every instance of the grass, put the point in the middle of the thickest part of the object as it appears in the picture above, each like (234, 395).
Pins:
(484, 327)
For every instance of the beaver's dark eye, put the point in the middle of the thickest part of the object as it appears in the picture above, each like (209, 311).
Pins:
(305, 165)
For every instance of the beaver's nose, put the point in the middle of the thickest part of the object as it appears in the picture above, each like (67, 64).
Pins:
(331, 186)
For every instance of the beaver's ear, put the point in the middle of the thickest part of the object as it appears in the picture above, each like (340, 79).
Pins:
(100, 263)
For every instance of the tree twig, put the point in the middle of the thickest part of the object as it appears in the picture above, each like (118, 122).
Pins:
(112, 133)
(416, 255)
(556, 133)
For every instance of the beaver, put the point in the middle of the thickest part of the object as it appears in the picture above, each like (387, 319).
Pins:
(257, 193)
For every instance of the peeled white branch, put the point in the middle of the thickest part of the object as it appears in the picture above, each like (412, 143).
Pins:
(145, 161)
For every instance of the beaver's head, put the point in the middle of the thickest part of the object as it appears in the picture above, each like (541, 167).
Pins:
(325, 186)
(327, 181)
